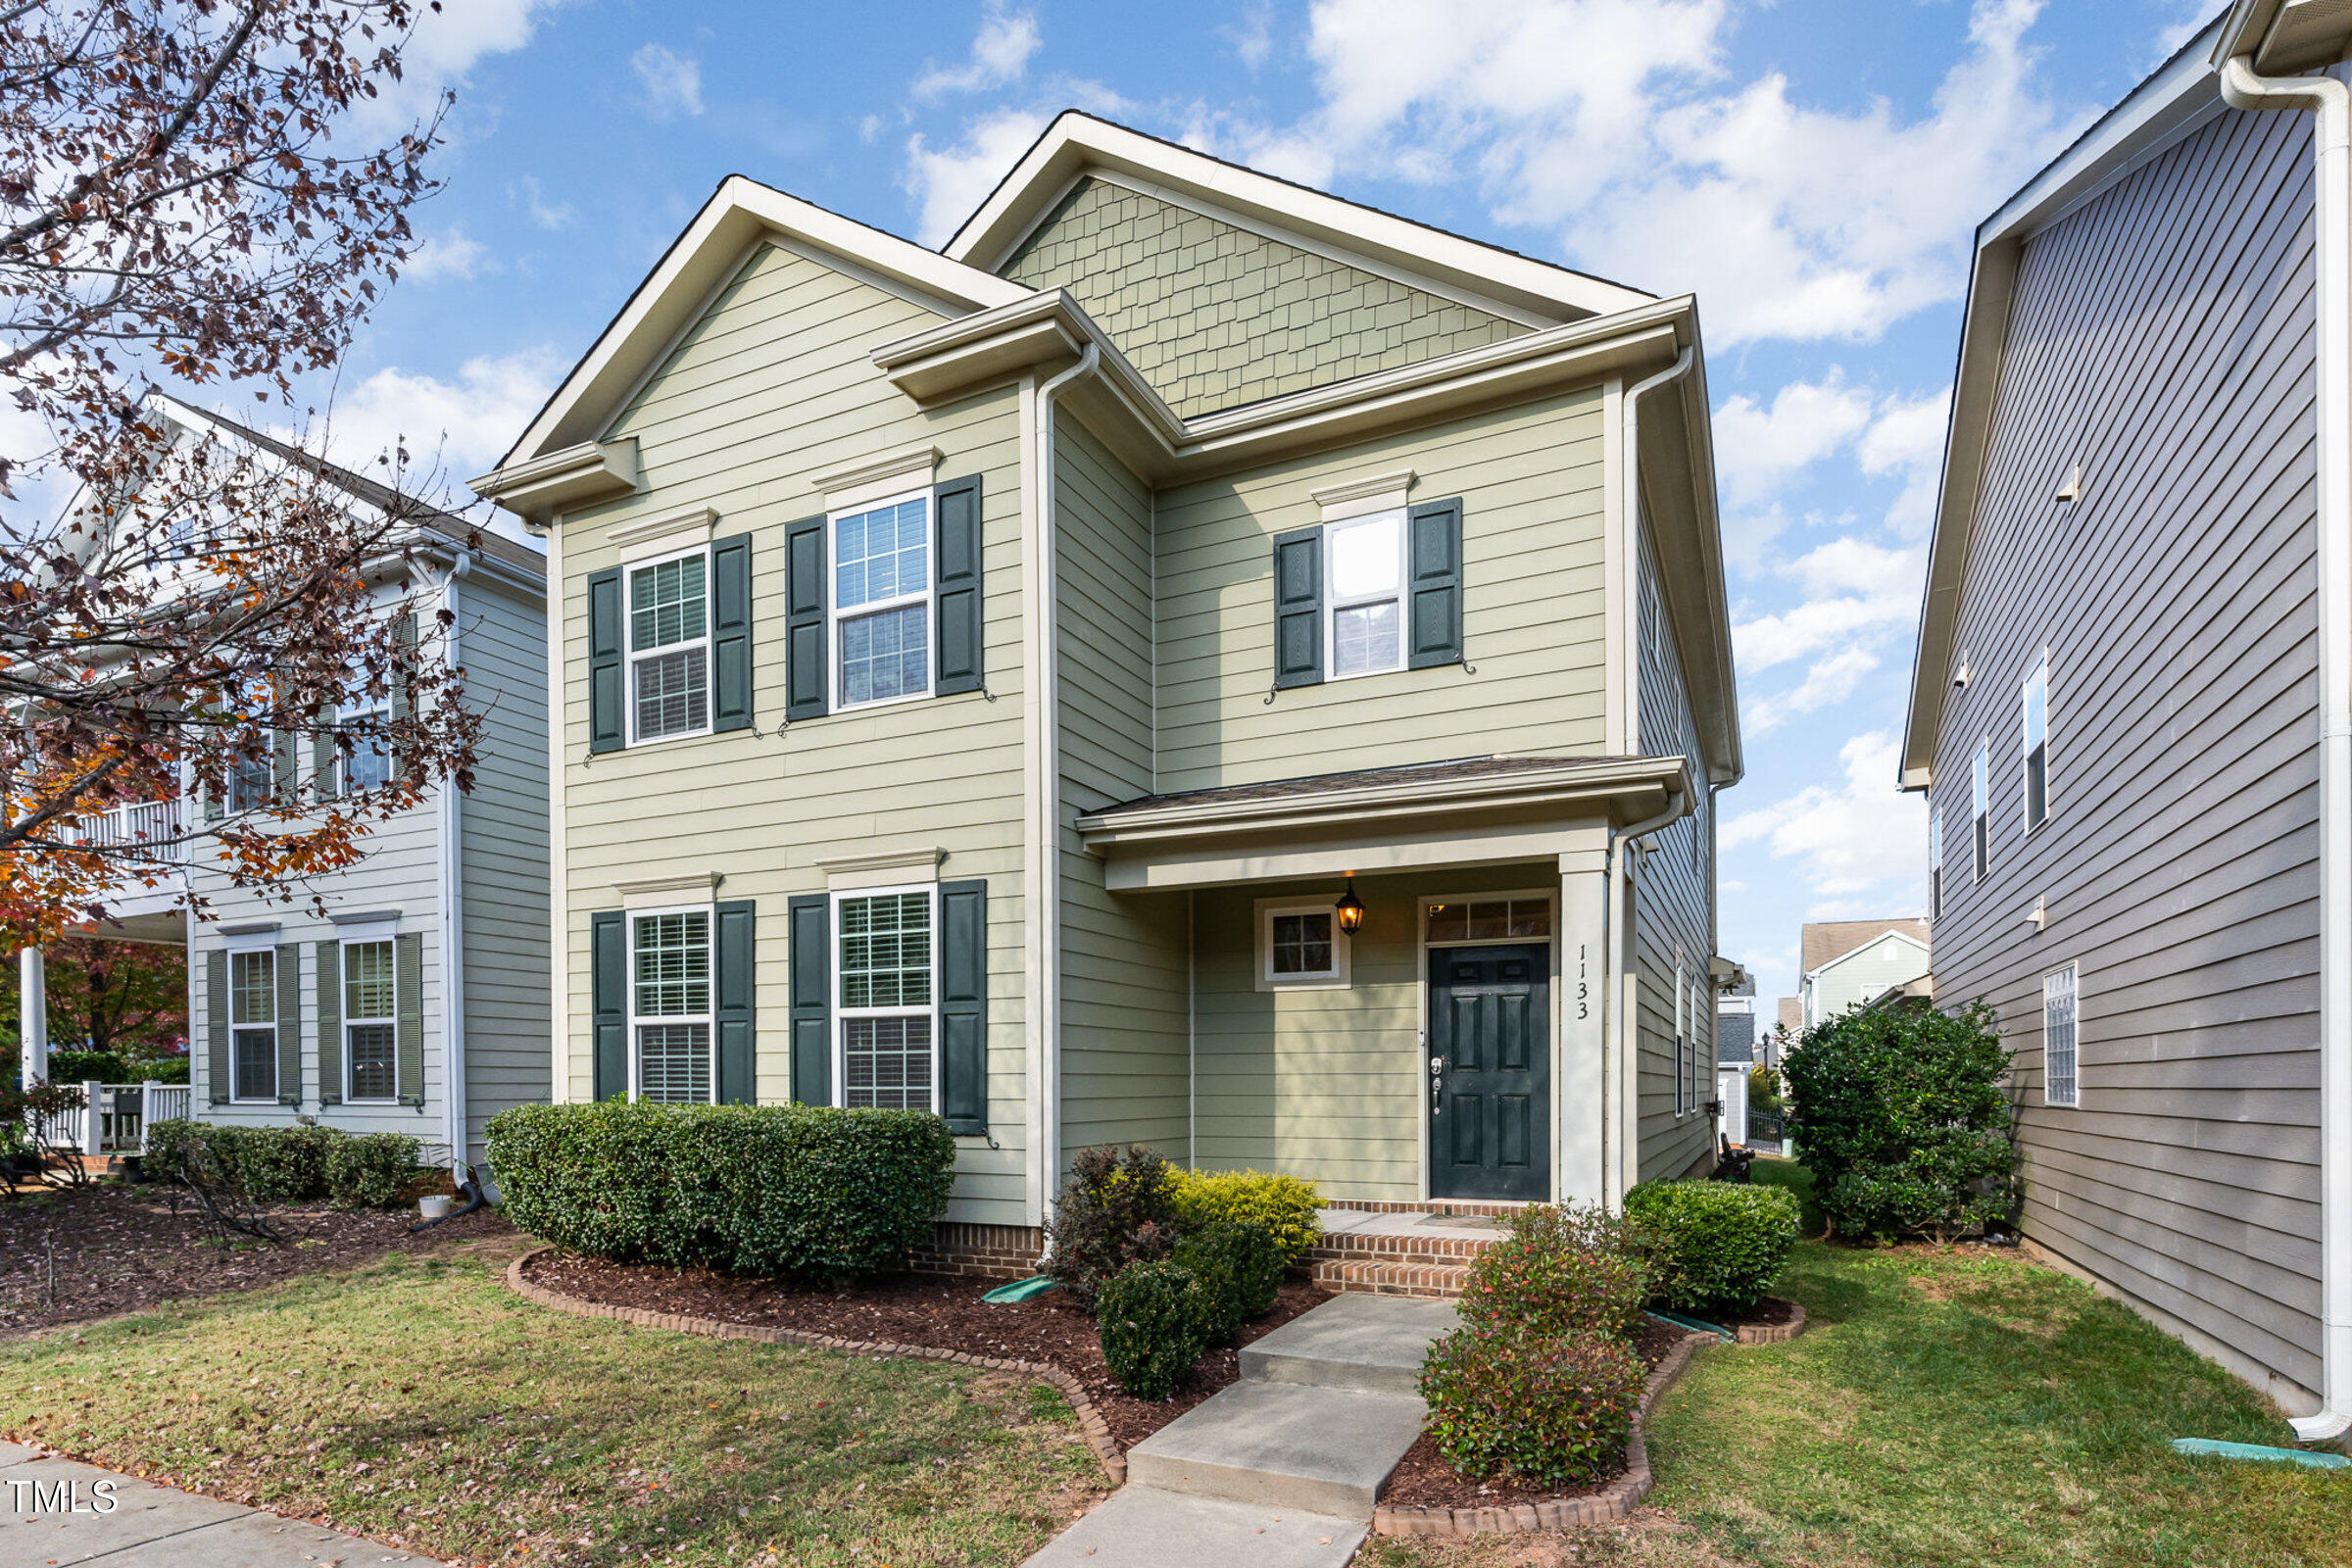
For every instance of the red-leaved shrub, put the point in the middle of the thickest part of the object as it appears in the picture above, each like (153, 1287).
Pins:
(1562, 1272)
(1554, 1412)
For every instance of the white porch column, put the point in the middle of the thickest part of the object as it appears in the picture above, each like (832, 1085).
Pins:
(33, 1014)
(1581, 1110)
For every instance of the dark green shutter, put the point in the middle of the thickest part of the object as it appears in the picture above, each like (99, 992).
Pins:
(609, 994)
(1298, 608)
(323, 760)
(731, 1007)
(213, 806)
(289, 1023)
(215, 1025)
(1434, 592)
(804, 597)
(955, 520)
(963, 1005)
(404, 697)
(408, 1035)
(330, 955)
(732, 633)
(286, 767)
(812, 975)
(606, 730)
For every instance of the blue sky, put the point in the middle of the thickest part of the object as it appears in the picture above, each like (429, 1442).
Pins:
(1812, 169)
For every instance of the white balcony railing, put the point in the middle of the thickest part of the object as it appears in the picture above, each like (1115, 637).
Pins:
(155, 822)
(112, 1118)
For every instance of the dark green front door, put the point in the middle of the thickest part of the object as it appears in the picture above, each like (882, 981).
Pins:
(1490, 1072)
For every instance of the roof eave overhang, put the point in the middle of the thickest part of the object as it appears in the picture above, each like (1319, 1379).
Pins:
(570, 476)
(2289, 35)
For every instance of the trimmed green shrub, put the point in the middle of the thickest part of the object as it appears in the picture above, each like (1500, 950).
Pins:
(1562, 1272)
(1155, 1321)
(280, 1164)
(1117, 1208)
(1288, 1209)
(1552, 1412)
(168, 1141)
(1714, 1243)
(78, 1067)
(371, 1170)
(1901, 1117)
(1240, 1266)
(156, 1070)
(766, 1190)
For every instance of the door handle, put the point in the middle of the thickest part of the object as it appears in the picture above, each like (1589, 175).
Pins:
(1437, 1084)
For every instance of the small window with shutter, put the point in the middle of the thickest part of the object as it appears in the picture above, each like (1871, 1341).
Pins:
(1369, 595)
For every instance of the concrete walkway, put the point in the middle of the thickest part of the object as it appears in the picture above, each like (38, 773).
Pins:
(1281, 1469)
(57, 1513)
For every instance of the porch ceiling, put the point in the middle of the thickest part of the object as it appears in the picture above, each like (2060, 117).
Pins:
(1471, 812)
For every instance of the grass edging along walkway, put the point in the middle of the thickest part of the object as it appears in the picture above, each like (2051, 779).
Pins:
(1091, 1424)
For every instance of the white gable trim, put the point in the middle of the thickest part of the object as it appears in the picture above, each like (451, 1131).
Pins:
(1860, 948)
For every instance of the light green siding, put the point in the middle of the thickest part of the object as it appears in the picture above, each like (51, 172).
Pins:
(1873, 970)
(770, 386)
(1530, 479)
(1216, 316)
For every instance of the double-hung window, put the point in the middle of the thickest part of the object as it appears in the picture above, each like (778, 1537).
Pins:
(669, 1006)
(670, 648)
(1682, 1048)
(882, 602)
(883, 957)
(253, 1025)
(251, 777)
(369, 764)
(1364, 598)
(1979, 804)
(2034, 719)
(2061, 1083)
(370, 1030)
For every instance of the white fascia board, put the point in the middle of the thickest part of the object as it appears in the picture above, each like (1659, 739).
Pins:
(741, 213)
(1076, 142)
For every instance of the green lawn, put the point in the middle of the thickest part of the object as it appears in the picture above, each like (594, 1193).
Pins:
(419, 1400)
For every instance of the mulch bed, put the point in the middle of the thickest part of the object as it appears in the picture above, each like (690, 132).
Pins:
(931, 1311)
(117, 1249)
(1423, 1479)
(1769, 1312)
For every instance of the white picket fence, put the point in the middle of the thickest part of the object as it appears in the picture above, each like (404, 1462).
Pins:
(114, 1119)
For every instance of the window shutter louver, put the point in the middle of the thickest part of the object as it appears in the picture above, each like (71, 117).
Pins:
(733, 956)
(322, 762)
(1435, 622)
(732, 633)
(289, 1023)
(408, 1035)
(329, 1039)
(811, 977)
(607, 731)
(286, 767)
(609, 992)
(215, 1026)
(955, 520)
(806, 684)
(963, 1005)
(1298, 608)
(403, 695)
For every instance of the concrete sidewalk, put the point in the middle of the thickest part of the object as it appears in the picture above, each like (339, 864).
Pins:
(53, 1511)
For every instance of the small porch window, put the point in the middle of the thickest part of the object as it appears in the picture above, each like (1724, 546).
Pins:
(1299, 945)
(886, 990)
(253, 1025)
(670, 1007)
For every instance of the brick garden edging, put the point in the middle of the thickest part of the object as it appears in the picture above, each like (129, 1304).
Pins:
(1091, 1424)
(1773, 1333)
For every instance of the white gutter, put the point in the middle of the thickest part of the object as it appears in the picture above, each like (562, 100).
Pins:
(2332, 103)
(453, 910)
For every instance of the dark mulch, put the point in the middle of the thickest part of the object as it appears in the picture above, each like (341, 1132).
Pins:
(1770, 1311)
(1423, 1479)
(97, 1252)
(925, 1309)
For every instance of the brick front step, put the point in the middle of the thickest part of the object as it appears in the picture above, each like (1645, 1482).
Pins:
(1434, 1281)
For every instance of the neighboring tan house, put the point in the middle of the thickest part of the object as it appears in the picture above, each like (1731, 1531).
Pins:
(1000, 681)
(2133, 700)
(418, 1002)
(1852, 963)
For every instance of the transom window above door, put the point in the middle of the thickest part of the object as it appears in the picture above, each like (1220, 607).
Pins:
(1366, 594)
(882, 602)
(670, 648)
(1498, 919)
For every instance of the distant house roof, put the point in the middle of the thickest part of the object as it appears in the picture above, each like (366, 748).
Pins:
(1793, 1017)
(1825, 940)
(1745, 988)
(1736, 1039)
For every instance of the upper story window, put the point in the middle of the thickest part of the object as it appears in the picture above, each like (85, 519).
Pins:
(369, 764)
(371, 1029)
(669, 1006)
(670, 648)
(1365, 593)
(251, 777)
(882, 602)
(1979, 800)
(2034, 719)
(253, 1025)
(1362, 595)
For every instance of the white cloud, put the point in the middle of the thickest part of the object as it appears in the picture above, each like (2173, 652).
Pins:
(1906, 441)
(1830, 681)
(550, 216)
(463, 426)
(1253, 38)
(672, 82)
(1847, 838)
(1856, 593)
(452, 255)
(447, 44)
(949, 182)
(1001, 52)
(1759, 449)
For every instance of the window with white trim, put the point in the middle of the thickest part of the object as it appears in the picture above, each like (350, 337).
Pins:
(1979, 804)
(1490, 919)
(252, 776)
(2034, 719)
(669, 1008)
(369, 764)
(1681, 1051)
(370, 1030)
(1702, 1079)
(1301, 945)
(2061, 1082)
(1363, 593)
(1934, 859)
(253, 1025)
(883, 965)
(882, 602)
(670, 648)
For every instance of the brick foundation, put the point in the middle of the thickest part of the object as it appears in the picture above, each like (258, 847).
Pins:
(980, 1251)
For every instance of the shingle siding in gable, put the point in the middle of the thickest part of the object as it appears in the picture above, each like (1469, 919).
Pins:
(1216, 316)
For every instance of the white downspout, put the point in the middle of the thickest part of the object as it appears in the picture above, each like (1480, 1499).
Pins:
(453, 914)
(2331, 102)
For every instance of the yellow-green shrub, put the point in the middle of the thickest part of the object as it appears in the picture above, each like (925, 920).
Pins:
(1285, 1207)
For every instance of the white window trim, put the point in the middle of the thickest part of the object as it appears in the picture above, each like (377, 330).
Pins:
(1333, 604)
(1549, 896)
(842, 1014)
(2073, 973)
(835, 615)
(2024, 751)
(709, 1019)
(1682, 1046)
(343, 1009)
(630, 656)
(236, 1097)
(1335, 978)
(344, 714)
(1980, 809)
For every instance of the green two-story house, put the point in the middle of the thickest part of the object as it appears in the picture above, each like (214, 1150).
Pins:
(1194, 661)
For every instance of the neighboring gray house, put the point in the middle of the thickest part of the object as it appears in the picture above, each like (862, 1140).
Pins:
(2136, 609)
(1847, 964)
